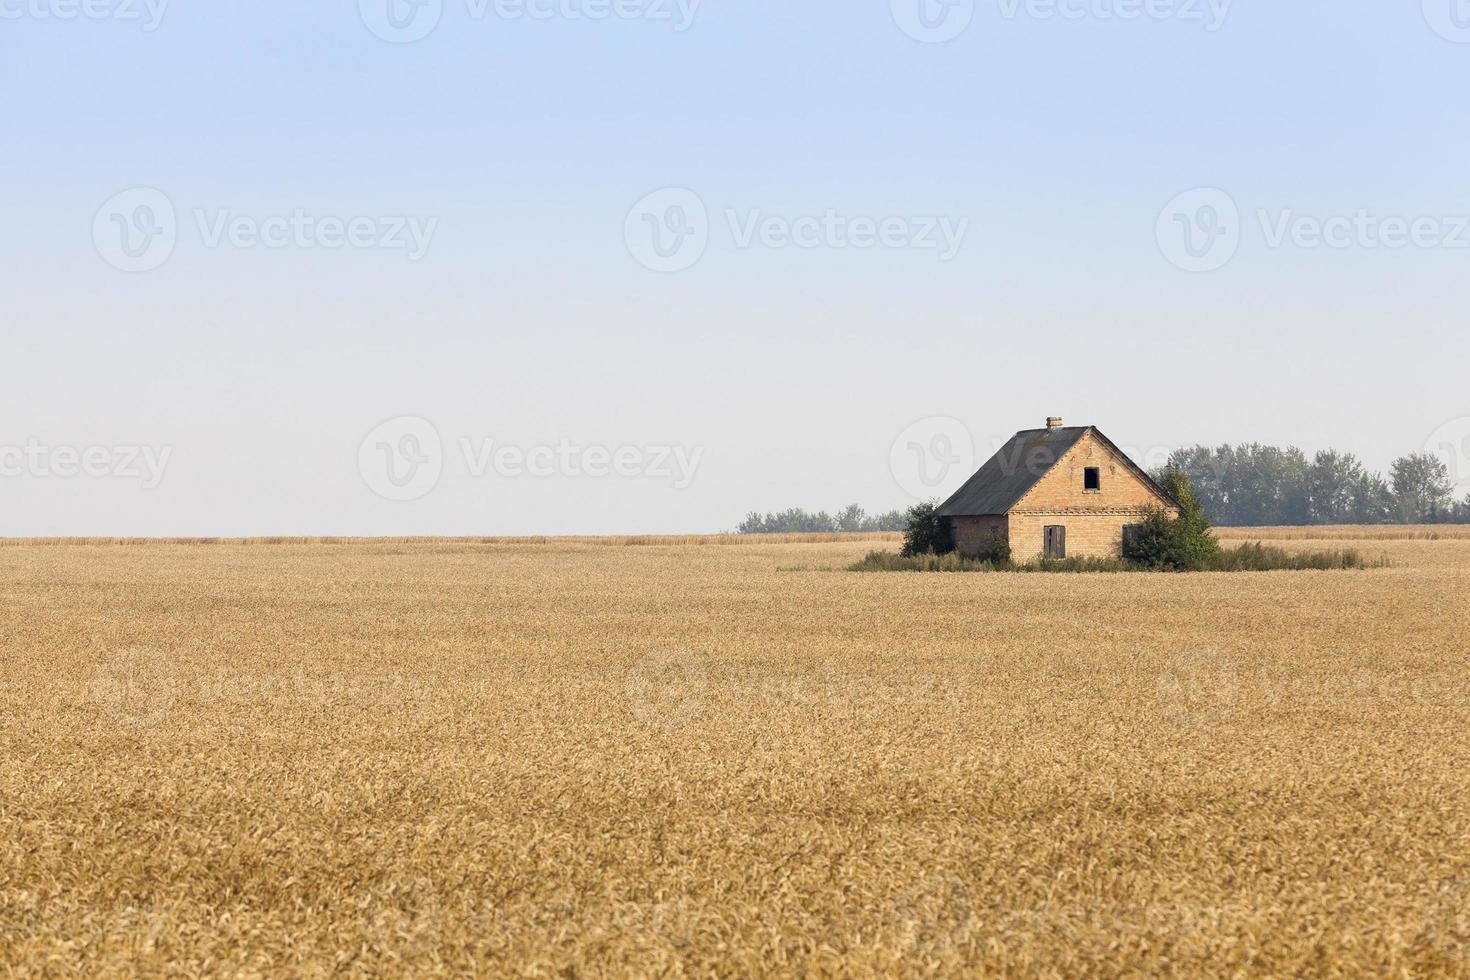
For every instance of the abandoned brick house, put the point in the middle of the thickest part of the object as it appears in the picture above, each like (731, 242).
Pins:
(1059, 491)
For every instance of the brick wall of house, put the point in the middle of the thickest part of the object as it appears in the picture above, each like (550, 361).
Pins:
(1094, 520)
(969, 532)
(1088, 535)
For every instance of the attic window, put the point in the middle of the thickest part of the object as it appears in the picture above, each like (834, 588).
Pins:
(1092, 479)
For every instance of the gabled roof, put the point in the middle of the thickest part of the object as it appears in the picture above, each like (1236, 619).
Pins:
(1008, 475)
(1020, 464)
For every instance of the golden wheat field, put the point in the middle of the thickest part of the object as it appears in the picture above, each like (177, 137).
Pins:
(652, 757)
(1349, 532)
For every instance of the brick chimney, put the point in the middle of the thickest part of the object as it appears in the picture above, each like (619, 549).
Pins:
(1055, 422)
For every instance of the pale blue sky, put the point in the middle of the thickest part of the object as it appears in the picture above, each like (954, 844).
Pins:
(529, 321)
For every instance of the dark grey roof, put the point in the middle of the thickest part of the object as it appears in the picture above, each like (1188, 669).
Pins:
(1008, 475)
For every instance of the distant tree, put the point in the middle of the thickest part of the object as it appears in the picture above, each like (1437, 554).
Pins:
(819, 523)
(1205, 468)
(1250, 484)
(1372, 501)
(1257, 485)
(1422, 488)
(926, 532)
(850, 519)
(1267, 485)
(792, 521)
(1331, 480)
(893, 520)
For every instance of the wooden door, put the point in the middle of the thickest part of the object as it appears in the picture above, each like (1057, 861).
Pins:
(1056, 541)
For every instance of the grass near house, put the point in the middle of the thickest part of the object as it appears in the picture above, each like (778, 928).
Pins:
(1251, 557)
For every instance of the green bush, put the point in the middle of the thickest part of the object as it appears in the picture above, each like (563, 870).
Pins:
(926, 533)
(1182, 544)
(994, 549)
(1152, 544)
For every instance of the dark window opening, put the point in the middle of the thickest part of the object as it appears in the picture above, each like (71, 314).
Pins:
(1092, 478)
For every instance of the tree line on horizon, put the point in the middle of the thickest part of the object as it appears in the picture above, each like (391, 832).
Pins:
(1250, 485)
(851, 519)
(1254, 485)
